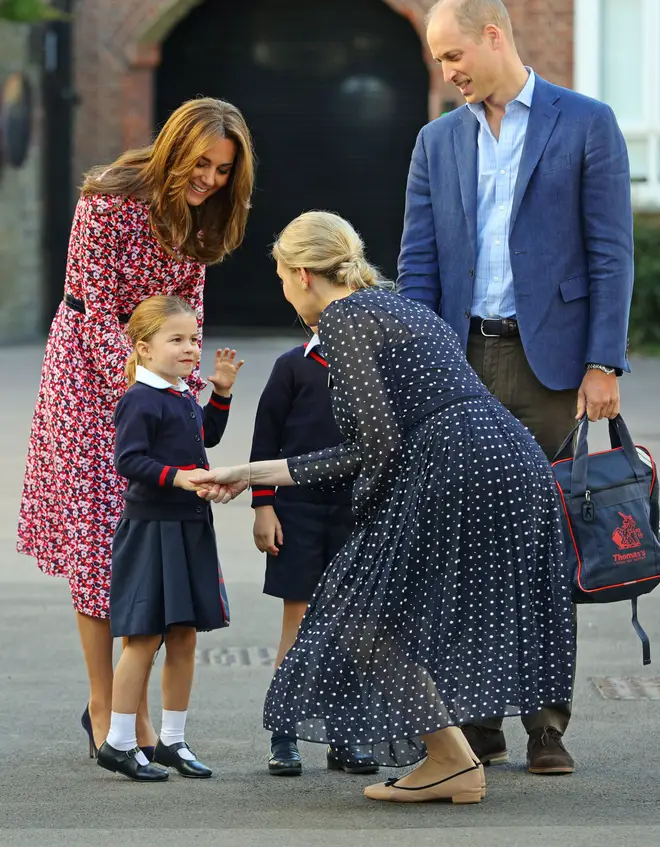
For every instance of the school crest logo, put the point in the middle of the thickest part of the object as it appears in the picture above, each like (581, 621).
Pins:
(628, 535)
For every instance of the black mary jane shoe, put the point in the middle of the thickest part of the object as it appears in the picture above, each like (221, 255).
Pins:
(124, 762)
(148, 752)
(168, 755)
(284, 758)
(351, 759)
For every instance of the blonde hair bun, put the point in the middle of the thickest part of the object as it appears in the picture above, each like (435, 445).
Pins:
(327, 245)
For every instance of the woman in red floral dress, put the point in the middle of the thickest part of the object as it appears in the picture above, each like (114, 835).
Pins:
(147, 224)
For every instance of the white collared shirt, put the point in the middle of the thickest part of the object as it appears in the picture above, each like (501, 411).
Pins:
(148, 377)
(313, 342)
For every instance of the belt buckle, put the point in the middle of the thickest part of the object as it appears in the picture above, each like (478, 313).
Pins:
(487, 334)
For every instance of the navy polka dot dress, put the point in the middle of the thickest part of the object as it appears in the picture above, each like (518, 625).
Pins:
(450, 602)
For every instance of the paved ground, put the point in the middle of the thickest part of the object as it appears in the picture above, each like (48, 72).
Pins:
(51, 794)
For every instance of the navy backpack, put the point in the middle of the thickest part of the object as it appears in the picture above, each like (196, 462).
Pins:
(610, 518)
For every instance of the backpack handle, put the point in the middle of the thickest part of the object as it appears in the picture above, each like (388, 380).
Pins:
(619, 437)
(564, 452)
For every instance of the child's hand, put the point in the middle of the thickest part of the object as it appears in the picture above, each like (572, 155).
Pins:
(221, 485)
(225, 370)
(182, 480)
(267, 530)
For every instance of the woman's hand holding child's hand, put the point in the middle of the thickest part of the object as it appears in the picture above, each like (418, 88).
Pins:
(220, 485)
(182, 480)
(225, 370)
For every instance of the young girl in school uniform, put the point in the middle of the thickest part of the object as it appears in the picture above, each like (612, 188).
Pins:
(166, 582)
(299, 529)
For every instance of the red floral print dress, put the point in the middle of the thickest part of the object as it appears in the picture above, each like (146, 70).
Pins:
(72, 495)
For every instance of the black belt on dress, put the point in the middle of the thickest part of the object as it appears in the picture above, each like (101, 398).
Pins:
(78, 305)
(495, 327)
(439, 403)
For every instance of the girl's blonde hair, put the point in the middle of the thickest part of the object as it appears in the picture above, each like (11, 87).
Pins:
(327, 245)
(161, 172)
(147, 319)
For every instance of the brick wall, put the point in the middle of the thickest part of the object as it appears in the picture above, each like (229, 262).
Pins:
(544, 36)
(20, 211)
(117, 50)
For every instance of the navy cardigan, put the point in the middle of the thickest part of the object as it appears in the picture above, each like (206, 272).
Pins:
(295, 417)
(160, 431)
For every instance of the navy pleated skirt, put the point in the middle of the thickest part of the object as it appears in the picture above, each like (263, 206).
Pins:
(165, 573)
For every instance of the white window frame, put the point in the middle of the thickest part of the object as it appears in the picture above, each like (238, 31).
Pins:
(587, 58)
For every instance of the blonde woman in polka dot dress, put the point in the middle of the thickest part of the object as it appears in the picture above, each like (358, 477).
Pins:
(450, 601)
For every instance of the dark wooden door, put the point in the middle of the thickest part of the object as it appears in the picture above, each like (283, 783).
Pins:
(58, 106)
(334, 92)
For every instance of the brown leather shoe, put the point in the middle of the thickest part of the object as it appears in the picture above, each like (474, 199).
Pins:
(488, 745)
(546, 753)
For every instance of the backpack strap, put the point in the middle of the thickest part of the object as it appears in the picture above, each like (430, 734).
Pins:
(564, 452)
(643, 637)
(620, 437)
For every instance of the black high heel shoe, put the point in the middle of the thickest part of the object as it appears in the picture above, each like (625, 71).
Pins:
(86, 723)
(124, 762)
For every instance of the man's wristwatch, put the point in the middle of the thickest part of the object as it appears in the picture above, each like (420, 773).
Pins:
(592, 366)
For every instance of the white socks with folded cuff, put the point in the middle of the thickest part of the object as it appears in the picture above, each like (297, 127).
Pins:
(123, 736)
(173, 730)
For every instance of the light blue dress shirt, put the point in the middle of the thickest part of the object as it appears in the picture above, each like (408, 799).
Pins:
(498, 163)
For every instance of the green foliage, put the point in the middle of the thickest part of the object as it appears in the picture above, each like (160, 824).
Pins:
(29, 11)
(645, 312)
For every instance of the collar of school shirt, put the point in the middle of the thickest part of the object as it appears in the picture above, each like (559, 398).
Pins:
(155, 381)
(313, 342)
(525, 96)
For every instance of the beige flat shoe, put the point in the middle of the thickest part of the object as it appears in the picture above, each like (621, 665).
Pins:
(461, 788)
(482, 776)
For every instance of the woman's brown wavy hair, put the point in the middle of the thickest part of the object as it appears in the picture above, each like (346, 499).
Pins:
(161, 172)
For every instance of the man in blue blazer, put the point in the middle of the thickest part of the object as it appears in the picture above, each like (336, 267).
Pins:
(518, 232)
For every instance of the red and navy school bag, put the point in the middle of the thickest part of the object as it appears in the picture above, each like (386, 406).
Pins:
(610, 518)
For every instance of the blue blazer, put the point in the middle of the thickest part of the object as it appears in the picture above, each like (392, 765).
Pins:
(570, 241)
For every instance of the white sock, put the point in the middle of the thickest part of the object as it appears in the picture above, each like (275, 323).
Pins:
(123, 735)
(173, 731)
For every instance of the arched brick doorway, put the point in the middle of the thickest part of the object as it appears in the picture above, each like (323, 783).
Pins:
(334, 92)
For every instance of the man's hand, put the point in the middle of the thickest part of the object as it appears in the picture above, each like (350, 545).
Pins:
(598, 396)
(267, 530)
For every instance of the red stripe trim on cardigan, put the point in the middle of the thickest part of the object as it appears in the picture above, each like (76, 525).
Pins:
(318, 358)
(222, 406)
(168, 468)
(267, 492)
